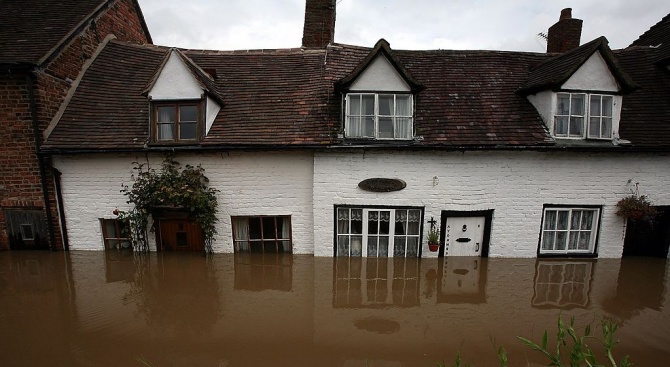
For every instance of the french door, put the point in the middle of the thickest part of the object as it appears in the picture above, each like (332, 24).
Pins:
(378, 232)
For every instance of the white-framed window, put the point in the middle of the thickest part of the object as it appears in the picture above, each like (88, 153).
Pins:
(262, 234)
(379, 116)
(580, 115)
(378, 232)
(569, 230)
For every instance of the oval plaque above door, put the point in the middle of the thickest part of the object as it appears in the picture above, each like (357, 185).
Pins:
(382, 184)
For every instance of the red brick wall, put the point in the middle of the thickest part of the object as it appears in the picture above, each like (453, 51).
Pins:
(20, 183)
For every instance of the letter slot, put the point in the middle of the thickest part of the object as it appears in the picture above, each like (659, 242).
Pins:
(463, 239)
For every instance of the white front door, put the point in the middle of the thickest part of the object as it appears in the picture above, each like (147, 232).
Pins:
(464, 236)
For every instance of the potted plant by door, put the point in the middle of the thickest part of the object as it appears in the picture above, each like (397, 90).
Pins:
(434, 239)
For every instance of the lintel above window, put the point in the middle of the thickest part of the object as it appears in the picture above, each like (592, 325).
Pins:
(379, 116)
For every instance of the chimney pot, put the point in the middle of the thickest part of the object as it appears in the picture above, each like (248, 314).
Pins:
(565, 34)
(319, 28)
(566, 14)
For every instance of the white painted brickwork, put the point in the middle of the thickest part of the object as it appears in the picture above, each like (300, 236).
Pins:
(515, 185)
(249, 183)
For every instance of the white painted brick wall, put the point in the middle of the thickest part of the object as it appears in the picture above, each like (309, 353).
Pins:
(307, 186)
(250, 184)
(515, 185)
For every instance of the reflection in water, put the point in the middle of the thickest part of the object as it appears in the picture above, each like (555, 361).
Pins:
(375, 282)
(562, 284)
(108, 309)
(463, 280)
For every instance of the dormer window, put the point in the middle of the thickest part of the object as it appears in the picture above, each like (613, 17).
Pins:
(176, 122)
(573, 115)
(379, 116)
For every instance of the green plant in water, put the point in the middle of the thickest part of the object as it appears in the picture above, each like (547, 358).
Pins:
(571, 348)
(172, 187)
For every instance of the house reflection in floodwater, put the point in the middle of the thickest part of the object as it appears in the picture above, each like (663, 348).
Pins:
(181, 309)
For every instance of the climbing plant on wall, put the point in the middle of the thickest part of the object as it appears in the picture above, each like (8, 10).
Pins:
(173, 187)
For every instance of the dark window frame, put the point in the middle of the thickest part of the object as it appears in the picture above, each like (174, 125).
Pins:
(592, 253)
(178, 104)
(116, 236)
(278, 242)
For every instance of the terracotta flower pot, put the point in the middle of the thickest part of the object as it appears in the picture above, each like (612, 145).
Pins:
(433, 247)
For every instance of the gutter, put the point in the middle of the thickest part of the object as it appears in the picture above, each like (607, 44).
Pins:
(30, 77)
(455, 148)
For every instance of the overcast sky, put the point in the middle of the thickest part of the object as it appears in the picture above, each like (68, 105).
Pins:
(405, 24)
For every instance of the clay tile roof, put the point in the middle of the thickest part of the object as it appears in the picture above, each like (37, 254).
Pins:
(658, 34)
(645, 114)
(30, 29)
(108, 110)
(552, 73)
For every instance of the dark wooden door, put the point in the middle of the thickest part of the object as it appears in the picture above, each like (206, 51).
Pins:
(648, 238)
(179, 234)
(26, 229)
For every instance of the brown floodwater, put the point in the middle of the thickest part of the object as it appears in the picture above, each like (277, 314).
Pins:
(168, 309)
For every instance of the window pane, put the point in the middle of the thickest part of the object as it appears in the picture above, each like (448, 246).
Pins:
(255, 228)
(414, 222)
(356, 245)
(587, 219)
(550, 219)
(372, 246)
(594, 127)
(606, 127)
(576, 126)
(412, 247)
(368, 127)
(384, 222)
(187, 130)
(607, 106)
(368, 104)
(563, 104)
(561, 238)
(400, 222)
(595, 105)
(574, 238)
(574, 221)
(399, 246)
(403, 127)
(561, 126)
(548, 240)
(354, 127)
(110, 229)
(386, 128)
(342, 245)
(577, 105)
(188, 114)
(563, 220)
(354, 106)
(403, 105)
(167, 114)
(386, 104)
(383, 246)
(269, 229)
(584, 241)
(356, 221)
(373, 222)
(165, 131)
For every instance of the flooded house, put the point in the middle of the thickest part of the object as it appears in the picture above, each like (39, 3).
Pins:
(43, 47)
(350, 151)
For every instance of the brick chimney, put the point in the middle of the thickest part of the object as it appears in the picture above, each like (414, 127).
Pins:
(565, 34)
(319, 28)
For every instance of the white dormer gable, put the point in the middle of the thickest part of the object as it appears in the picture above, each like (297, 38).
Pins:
(175, 81)
(592, 75)
(380, 76)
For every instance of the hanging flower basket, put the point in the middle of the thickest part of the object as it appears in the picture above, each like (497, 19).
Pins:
(635, 207)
